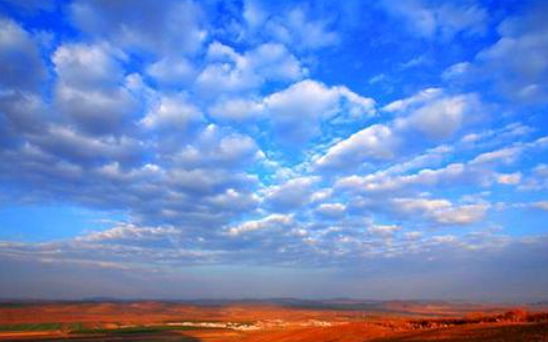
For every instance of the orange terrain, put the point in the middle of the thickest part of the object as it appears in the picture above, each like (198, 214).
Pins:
(269, 322)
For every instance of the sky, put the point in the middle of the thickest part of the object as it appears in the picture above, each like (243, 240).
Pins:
(384, 149)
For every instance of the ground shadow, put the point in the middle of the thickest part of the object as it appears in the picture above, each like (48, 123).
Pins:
(141, 337)
(513, 332)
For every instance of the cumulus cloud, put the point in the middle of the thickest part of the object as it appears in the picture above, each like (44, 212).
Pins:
(23, 112)
(172, 112)
(290, 195)
(126, 233)
(380, 182)
(542, 205)
(237, 110)
(89, 66)
(434, 20)
(68, 144)
(456, 71)
(441, 211)
(172, 71)
(298, 110)
(510, 178)
(331, 210)
(82, 265)
(229, 72)
(92, 90)
(377, 142)
(432, 114)
(537, 180)
(296, 29)
(479, 170)
(171, 27)
(541, 170)
(21, 65)
(190, 190)
(290, 25)
(523, 36)
(383, 230)
(214, 148)
(274, 62)
(228, 138)
(518, 79)
(270, 222)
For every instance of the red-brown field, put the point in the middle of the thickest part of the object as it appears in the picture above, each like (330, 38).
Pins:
(274, 321)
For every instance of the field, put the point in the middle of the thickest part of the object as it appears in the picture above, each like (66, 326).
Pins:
(283, 320)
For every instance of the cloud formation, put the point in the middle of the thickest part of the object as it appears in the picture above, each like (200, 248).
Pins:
(315, 140)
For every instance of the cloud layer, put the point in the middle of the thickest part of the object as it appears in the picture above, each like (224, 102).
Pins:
(280, 137)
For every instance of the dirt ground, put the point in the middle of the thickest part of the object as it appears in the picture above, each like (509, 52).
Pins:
(105, 322)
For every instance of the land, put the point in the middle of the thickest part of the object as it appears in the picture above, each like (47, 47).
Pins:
(276, 320)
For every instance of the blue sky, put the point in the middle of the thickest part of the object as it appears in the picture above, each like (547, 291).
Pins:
(178, 149)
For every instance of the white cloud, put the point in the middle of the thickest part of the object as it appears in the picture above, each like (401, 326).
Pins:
(444, 239)
(253, 14)
(69, 144)
(331, 210)
(172, 71)
(237, 110)
(292, 27)
(479, 171)
(541, 170)
(170, 27)
(274, 62)
(321, 195)
(125, 232)
(307, 99)
(383, 230)
(296, 29)
(172, 112)
(139, 117)
(234, 201)
(23, 111)
(542, 205)
(462, 215)
(411, 206)
(527, 37)
(435, 20)
(382, 182)
(414, 235)
(290, 195)
(440, 211)
(538, 179)
(89, 66)
(298, 110)
(229, 72)
(523, 79)
(509, 178)
(295, 112)
(214, 147)
(419, 98)
(456, 71)
(430, 113)
(92, 90)
(21, 66)
(96, 112)
(431, 157)
(435, 114)
(270, 222)
(505, 155)
(196, 183)
(377, 142)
